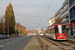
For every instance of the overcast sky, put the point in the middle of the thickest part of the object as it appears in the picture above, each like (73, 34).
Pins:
(30, 12)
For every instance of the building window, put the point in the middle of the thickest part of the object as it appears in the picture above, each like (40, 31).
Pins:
(67, 17)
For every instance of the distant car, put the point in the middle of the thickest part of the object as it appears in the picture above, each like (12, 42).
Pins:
(3, 36)
(7, 36)
(41, 34)
(0, 36)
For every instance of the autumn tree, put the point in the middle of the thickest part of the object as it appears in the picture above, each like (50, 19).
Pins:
(1, 24)
(44, 32)
(59, 20)
(9, 19)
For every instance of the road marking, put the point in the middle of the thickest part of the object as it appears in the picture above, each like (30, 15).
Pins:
(1, 45)
(13, 41)
(16, 40)
(8, 43)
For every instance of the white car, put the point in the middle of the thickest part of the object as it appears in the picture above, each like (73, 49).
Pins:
(7, 36)
(41, 34)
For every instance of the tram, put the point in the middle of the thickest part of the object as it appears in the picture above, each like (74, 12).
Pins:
(57, 32)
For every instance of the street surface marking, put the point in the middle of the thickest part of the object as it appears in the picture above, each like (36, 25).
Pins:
(16, 40)
(1, 45)
(8, 43)
(13, 41)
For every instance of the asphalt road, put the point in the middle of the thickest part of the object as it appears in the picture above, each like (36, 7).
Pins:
(14, 43)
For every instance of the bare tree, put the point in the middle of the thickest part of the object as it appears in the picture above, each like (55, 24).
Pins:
(2, 24)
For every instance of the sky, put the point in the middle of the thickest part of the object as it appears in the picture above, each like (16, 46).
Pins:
(29, 13)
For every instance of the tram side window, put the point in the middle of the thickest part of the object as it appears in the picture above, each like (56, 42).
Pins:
(52, 31)
(48, 31)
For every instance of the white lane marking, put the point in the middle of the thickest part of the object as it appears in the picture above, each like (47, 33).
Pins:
(8, 43)
(13, 41)
(16, 40)
(1, 45)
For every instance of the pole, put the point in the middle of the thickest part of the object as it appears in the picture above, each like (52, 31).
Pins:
(69, 16)
(19, 31)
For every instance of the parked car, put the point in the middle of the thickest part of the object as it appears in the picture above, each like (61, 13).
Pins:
(7, 36)
(0, 36)
(3, 36)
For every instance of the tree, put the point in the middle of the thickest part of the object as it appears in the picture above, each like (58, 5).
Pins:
(2, 24)
(44, 32)
(59, 20)
(9, 19)
(16, 30)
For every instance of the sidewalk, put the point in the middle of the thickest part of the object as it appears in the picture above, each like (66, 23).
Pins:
(33, 44)
(70, 37)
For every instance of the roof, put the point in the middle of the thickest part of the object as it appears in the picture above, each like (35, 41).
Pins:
(23, 27)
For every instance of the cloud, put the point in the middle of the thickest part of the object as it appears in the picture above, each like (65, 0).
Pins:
(25, 9)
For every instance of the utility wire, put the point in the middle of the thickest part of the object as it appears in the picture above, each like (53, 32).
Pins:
(45, 12)
(24, 15)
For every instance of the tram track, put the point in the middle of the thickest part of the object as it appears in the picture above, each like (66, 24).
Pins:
(60, 44)
(68, 45)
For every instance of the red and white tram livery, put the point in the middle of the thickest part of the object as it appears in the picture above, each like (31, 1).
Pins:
(57, 32)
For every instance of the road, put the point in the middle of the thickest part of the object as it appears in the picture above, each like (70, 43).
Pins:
(14, 43)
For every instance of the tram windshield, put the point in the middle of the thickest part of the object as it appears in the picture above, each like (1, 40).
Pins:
(60, 29)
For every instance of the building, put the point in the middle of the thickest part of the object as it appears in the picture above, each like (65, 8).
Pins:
(72, 14)
(57, 14)
(65, 12)
(53, 20)
(64, 15)
(49, 22)
(40, 30)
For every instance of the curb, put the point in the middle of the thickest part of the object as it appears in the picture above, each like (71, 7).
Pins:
(27, 44)
(71, 39)
(39, 43)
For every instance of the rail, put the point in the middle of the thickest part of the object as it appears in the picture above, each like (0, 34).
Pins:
(59, 43)
(43, 46)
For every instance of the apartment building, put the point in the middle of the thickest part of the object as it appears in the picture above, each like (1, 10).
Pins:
(72, 15)
(57, 14)
(53, 20)
(64, 15)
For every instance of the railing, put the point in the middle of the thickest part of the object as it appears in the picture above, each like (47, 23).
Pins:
(63, 15)
(64, 20)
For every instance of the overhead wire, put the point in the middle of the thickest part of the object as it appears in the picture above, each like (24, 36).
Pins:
(45, 12)
(24, 15)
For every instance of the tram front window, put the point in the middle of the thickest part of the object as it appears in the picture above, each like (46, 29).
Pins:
(60, 29)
